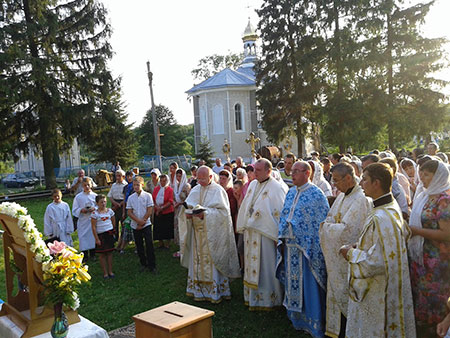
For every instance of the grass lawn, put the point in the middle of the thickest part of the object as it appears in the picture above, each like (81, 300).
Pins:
(112, 303)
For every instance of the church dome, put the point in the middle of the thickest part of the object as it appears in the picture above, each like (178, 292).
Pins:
(249, 33)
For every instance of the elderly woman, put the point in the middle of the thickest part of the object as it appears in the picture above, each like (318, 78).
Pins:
(181, 189)
(241, 174)
(318, 179)
(163, 212)
(226, 182)
(430, 247)
(83, 206)
(153, 183)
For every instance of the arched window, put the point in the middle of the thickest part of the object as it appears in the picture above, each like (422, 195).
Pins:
(238, 116)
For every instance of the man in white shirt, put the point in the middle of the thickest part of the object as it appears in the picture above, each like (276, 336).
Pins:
(76, 186)
(218, 167)
(140, 207)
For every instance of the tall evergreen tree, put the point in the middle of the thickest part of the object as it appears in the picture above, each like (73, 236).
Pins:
(404, 67)
(113, 139)
(289, 74)
(54, 77)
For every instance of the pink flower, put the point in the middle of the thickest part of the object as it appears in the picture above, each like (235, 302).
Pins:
(56, 247)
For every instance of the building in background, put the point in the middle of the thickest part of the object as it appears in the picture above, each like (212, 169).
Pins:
(225, 106)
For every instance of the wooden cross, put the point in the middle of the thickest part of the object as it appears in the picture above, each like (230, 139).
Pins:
(252, 139)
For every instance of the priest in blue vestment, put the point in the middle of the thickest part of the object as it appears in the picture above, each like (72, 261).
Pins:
(300, 261)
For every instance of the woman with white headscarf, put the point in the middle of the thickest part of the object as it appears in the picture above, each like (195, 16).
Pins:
(163, 228)
(153, 183)
(429, 247)
(181, 189)
(318, 179)
(409, 169)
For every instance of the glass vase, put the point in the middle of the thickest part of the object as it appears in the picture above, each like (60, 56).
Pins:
(60, 327)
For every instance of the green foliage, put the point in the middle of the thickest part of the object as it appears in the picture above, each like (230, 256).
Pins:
(115, 141)
(205, 152)
(55, 80)
(6, 167)
(360, 69)
(212, 64)
(290, 73)
(176, 140)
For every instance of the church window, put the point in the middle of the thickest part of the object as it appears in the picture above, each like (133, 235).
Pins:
(218, 123)
(238, 116)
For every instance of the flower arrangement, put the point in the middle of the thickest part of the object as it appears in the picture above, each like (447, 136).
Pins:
(63, 275)
(61, 265)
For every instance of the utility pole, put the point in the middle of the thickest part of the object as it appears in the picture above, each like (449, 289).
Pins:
(155, 125)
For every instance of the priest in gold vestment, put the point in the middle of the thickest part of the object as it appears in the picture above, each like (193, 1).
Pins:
(258, 220)
(207, 242)
(380, 300)
(342, 226)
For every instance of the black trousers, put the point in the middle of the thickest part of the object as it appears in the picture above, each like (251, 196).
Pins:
(147, 254)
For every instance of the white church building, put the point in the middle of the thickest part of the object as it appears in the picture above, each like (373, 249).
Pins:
(225, 106)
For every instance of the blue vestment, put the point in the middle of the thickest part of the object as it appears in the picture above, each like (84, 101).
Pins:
(301, 265)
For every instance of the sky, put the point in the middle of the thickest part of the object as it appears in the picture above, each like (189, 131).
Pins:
(175, 35)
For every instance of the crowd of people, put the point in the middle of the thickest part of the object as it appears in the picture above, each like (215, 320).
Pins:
(356, 247)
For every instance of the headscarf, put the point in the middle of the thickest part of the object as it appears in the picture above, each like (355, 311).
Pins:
(415, 179)
(179, 186)
(439, 183)
(162, 189)
(155, 171)
(229, 179)
(319, 180)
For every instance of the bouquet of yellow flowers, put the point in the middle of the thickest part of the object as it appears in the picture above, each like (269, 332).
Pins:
(63, 275)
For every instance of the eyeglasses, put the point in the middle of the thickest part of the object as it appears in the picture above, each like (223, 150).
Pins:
(296, 171)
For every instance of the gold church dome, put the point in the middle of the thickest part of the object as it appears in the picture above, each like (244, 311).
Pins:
(249, 33)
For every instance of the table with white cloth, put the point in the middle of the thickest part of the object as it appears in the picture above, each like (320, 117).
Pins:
(83, 329)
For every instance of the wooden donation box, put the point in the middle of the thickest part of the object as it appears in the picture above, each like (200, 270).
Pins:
(24, 304)
(174, 320)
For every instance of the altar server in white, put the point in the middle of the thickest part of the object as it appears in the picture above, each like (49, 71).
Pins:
(83, 206)
(58, 219)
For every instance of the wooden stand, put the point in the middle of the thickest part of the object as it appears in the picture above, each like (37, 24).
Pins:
(25, 308)
(174, 320)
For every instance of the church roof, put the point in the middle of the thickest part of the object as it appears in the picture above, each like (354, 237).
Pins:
(227, 78)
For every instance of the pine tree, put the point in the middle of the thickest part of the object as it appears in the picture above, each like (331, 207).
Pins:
(205, 152)
(404, 61)
(289, 74)
(54, 78)
(116, 141)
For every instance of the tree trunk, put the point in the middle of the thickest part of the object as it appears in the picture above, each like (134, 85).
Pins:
(48, 144)
(339, 78)
(390, 76)
(300, 143)
(47, 132)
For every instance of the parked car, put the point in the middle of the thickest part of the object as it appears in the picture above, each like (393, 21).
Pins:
(17, 180)
(31, 175)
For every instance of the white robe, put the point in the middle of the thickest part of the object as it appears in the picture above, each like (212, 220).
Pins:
(258, 219)
(207, 246)
(85, 236)
(380, 303)
(342, 226)
(58, 222)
